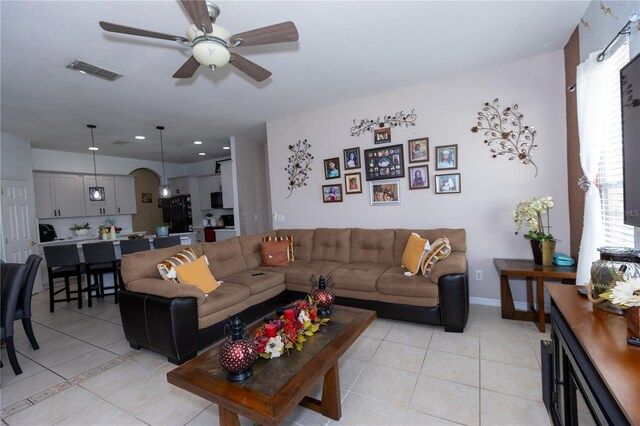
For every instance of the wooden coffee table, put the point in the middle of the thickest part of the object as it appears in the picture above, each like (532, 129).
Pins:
(278, 385)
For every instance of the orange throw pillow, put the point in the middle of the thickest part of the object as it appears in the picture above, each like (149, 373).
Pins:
(274, 253)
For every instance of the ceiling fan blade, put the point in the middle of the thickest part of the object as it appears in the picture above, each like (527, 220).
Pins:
(278, 33)
(187, 69)
(197, 10)
(115, 28)
(251, 69)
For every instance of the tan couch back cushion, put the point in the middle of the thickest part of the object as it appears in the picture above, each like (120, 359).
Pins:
(302, 242)
(143, 264)
(372, 246)
(331, 244)
(457, 239)
(250, 246)
(225, 257)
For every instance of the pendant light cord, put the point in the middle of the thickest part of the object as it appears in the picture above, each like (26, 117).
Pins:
(161, 152)
(95, 173)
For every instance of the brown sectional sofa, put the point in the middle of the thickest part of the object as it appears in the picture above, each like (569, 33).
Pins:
(177, 320)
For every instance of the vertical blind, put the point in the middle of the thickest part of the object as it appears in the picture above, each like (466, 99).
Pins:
(610, 176)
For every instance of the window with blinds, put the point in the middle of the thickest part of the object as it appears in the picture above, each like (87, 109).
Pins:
(610, 177)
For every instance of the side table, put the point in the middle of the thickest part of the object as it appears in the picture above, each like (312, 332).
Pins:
(528, 269)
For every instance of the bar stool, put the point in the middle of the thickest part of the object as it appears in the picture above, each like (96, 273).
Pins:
(63, 262)
(134, 246)
(162, 242)
(12, 277)
(100, 259)
(23, 308)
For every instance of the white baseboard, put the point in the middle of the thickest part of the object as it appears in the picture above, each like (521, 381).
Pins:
(521, 306)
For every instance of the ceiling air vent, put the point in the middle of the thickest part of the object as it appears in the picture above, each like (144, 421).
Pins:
(89, 69)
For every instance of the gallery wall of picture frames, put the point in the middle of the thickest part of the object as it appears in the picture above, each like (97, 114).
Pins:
(384, 167)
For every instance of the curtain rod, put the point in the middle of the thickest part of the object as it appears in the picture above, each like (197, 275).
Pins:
(624, 31)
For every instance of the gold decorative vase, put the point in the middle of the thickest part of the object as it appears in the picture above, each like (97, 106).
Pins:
(548, 250)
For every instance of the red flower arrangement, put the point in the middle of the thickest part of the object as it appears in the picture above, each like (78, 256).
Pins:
(288, 330)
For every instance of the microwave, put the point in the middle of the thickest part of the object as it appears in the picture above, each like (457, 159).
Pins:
(216, 200)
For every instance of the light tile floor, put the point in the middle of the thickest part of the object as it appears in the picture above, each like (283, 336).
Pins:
(397, 373)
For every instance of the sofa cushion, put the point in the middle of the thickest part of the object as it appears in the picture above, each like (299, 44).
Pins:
(372, 245)
(225, 257)
(197, 273)
(274, 253)
(393, 282)
(358, 276)
(143, 264)
(250, 246)
(159, 287)
(457, 239)
(302, 242)
(226, 295)
(299, 273)
(331, 244)
(257, 283)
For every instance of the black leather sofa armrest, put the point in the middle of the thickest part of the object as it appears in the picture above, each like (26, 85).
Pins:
(454, 301)
(167, 326)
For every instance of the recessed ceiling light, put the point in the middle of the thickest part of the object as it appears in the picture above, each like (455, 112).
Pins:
(226, 147)
(202, 153)
(197, 142)
(140, 138)
(93, 148)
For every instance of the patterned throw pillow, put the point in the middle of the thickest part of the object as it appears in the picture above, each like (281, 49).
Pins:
(440, 249)
(165, 268)
(274, 253)
(288, 238)
(197, 273)
(414, 252)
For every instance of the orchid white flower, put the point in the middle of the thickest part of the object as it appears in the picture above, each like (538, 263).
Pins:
(530, 213)
(626, 293)
(274, 346)
(303, 317)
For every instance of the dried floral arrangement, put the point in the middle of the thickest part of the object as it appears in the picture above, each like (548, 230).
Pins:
(506, 133)
(299, 165)
(396, 120)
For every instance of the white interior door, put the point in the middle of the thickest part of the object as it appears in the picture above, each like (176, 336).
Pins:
(18, 223)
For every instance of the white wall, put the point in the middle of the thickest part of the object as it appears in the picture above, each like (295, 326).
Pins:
(446, 112)
(251, 181)
(599, 27)
(15, 158)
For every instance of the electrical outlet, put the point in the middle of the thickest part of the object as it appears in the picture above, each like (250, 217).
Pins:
(274, 217)
(281, 218)
(478, 275)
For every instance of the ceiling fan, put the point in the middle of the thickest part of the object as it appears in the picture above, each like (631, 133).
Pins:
(210, 43)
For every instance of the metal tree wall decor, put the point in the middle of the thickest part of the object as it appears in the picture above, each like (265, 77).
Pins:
(299, 165)
(505, 131)
(396, 120)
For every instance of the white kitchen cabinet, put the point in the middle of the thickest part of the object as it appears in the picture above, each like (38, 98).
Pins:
(58, 195)
(180, 185)
(226, 178)
(125, 194)
(207, 185)
(100, 208)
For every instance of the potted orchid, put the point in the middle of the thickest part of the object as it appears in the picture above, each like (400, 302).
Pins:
(530, 213)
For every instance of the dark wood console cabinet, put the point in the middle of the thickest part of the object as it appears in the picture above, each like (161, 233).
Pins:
(590, 374)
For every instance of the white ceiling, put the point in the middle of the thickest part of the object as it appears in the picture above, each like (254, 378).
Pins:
(346, 50)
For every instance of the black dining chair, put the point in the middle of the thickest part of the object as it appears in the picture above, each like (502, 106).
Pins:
(23, 309)
(63, 261)
(162, 242)
(100, 259)
(12, 277)
(134, 246)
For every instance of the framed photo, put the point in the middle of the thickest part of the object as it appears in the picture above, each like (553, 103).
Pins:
(384, 163)
(332, 193)
(447, 157)
(448, 184)
(146, 197)
(382, 135)
(352, 158)
(385, 193)
(332, 168)
(419, 177)
(418, 150)
(353, 183)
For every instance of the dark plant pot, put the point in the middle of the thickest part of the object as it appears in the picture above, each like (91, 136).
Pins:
(536, 248)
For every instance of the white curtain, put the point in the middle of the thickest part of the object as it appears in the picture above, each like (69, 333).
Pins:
(590, 90)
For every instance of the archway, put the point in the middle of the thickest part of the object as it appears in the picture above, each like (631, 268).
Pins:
(148, 204)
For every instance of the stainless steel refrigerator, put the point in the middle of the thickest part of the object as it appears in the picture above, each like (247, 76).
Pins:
(176, 211)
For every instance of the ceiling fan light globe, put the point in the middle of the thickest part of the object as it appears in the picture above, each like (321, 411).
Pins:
(210, 53)
(165, 191)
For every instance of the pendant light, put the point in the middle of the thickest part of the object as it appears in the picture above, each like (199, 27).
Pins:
(165, 190)
(96, 193)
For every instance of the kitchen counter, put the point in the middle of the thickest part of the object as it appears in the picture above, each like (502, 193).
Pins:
(185, 238)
